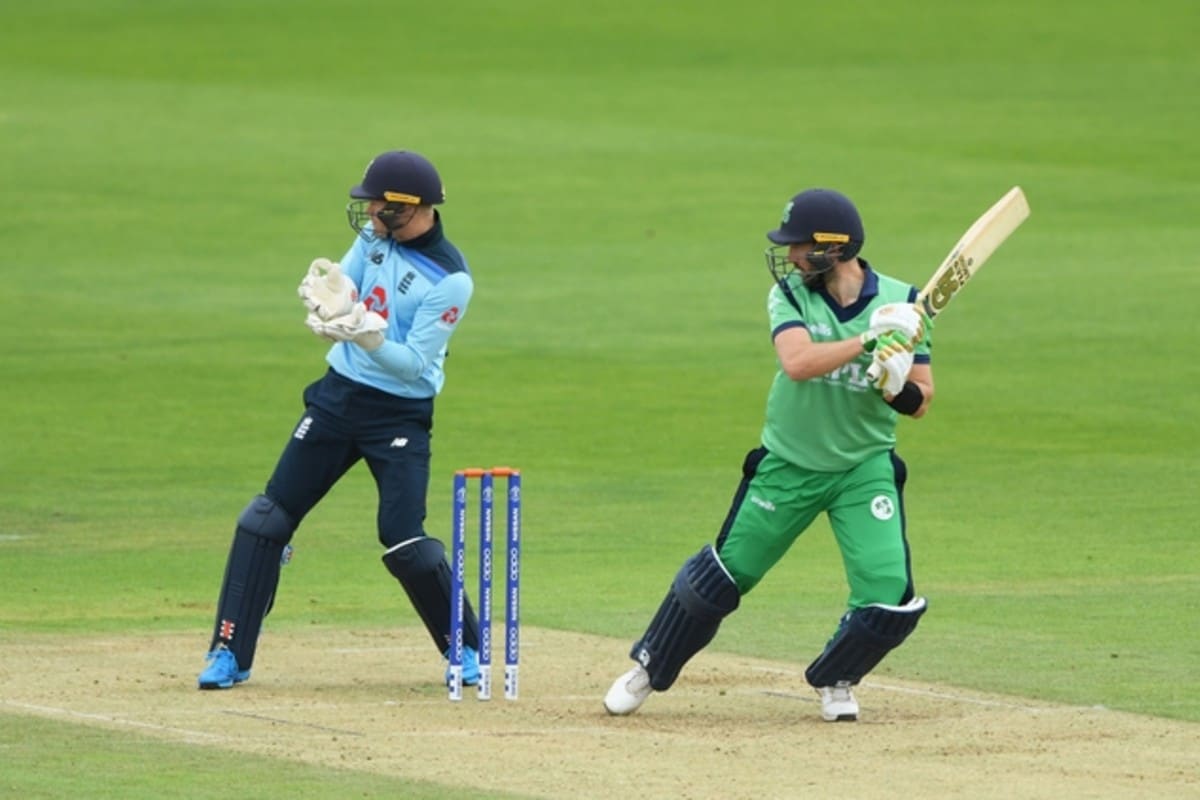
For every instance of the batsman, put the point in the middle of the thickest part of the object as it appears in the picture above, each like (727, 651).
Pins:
(387, 311)
(827, 446)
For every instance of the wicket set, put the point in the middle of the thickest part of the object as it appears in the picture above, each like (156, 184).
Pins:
(458, 563)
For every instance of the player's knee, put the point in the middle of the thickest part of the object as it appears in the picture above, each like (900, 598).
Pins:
(705, 588)
(397, 530)
(888, 581)
(883, 627)
(266, 519)
(743, 576)
(890, 590)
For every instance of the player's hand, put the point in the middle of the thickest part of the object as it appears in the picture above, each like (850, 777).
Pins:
(370, 332)
(893, 360)
(364, 328)
(325, 291)
(317, 326)
(904, 318)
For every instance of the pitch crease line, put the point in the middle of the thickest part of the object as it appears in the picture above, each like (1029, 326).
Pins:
(978, 701)
(281, 721)
(66, 712)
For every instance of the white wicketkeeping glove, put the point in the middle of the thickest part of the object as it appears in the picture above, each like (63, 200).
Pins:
(364, 328)
(904, 318)
(325, 291)
(893, 360)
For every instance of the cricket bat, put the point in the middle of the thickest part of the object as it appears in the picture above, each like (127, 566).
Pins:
(969, 255)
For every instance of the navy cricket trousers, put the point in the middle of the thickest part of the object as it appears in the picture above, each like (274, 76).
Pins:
(343, 422)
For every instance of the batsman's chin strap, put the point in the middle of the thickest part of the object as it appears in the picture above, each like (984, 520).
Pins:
(908, 400)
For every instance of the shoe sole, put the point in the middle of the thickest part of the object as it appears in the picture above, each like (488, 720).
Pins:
(208, 685)
(627, 711)
(841, 718)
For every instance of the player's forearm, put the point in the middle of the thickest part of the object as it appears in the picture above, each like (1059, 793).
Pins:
(400, 360)
(807, 360)
(926, 387)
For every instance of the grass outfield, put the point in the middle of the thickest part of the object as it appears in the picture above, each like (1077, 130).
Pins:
(170, 169)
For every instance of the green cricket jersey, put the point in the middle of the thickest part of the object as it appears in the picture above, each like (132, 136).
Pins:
(833, 422)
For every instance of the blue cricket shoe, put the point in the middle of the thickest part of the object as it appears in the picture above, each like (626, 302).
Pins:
(222, 671)
(470, 667)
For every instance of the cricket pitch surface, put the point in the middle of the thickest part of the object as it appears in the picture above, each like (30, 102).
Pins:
(732, 727)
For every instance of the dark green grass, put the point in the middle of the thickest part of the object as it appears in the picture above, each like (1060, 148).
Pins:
(170, 169)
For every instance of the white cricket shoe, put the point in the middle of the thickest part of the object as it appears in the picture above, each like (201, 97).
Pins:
(628, 692)
(838, 703)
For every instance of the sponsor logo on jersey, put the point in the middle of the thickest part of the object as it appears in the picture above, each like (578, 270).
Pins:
(377, 301)
(852, 376)
(406, 282)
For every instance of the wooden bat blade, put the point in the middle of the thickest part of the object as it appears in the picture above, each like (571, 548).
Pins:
(973, 250)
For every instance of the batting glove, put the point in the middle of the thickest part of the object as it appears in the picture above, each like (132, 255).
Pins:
(892, 361)
(904, 318)
(325, 291)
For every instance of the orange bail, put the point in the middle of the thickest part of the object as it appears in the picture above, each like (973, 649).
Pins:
(479, 472)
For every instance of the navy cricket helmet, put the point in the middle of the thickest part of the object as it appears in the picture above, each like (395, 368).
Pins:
(403, 180)
(821, 216)
(401, 176)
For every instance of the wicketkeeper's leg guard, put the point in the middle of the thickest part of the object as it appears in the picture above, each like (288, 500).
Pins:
(420, 566)
(702, 594)
(251, 576)
(864, 637)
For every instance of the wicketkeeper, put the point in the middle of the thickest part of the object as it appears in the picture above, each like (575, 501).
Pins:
(827, 446)
(389, 308)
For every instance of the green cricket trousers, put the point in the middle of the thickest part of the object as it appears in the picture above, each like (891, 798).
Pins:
(777, 501)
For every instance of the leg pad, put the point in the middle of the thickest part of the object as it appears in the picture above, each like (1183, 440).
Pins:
(420, 566)
(864, 637)
(251, 576)
(702, 594)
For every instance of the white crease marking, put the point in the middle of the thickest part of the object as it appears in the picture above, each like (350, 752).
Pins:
(66, 712)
